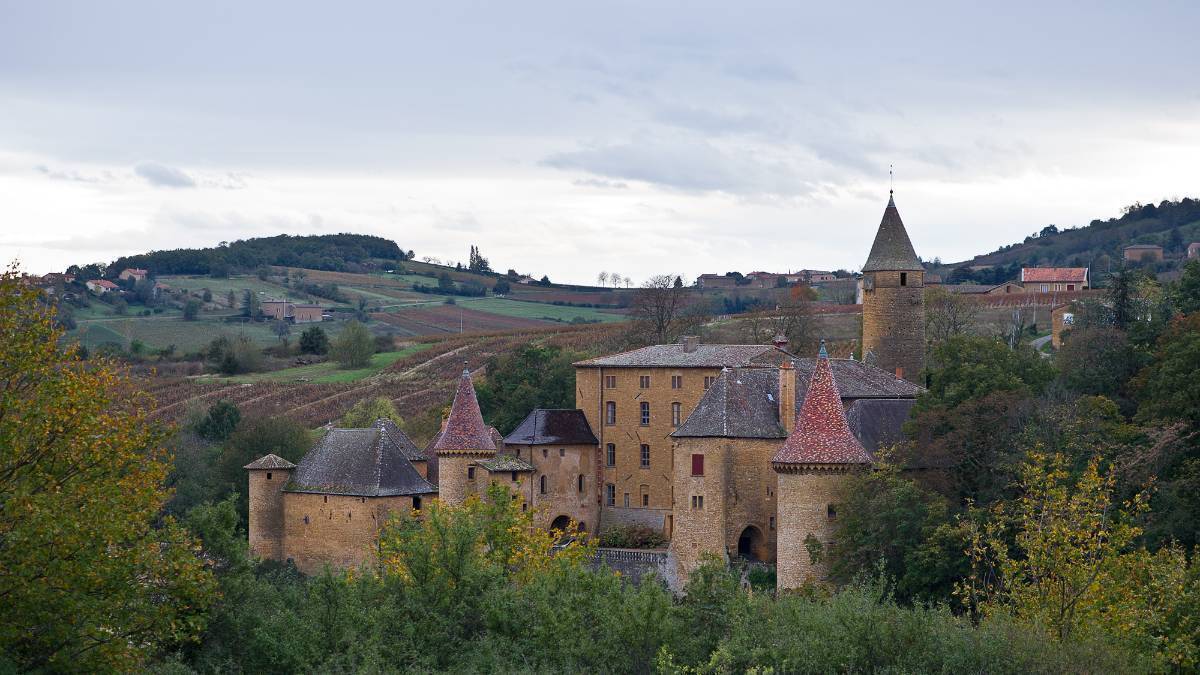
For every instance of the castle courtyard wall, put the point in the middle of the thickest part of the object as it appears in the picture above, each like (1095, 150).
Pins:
(338, 530)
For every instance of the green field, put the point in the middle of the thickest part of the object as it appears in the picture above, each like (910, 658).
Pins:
(158, 331)
(238, 284)
(329, 372)
(536, 310)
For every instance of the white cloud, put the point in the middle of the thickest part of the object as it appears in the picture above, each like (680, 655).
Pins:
(161, 175)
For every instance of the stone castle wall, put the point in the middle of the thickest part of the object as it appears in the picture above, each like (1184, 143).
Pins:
(739, 490)
(628, 476)
(266, 512)
(804, 500)
(339, 530)
(894, 323)
(562, 466)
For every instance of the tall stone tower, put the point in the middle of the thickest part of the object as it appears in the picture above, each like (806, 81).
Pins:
(811, 466)
(894, 301)
(268, 476)
(461, 445)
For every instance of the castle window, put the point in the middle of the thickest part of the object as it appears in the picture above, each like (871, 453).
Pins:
(610, 496)
(697, 465)
(626, 502)
(470, 473)
(610, 413)
(562, 452)
(677, 382)
(831, 511)
(268, 475)
(645, 456)
(326, 498)
(581, 482)
(644, 381)
(904, 278)
(676, 414)
(545, 453)
(610, 381)
(708, 381)
(698, 502)
(305, 520)
(542, 485)
(610, 454)
(417, 503)
(645, 497)
(771, 523)
(645, 413)
(514, 476)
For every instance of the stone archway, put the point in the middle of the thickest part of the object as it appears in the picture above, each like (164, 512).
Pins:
(561, 523)
(752, 545)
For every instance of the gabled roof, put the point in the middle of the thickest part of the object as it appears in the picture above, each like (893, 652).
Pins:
(465, 430)
(1051, 274)
(553, 427)
(699, 356)
(744, 403)
(892, 250)
(821, 434)
(270, 462)
(401, 440)
(361, 462)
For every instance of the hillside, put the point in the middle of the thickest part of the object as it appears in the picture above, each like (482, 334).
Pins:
(1170, 224)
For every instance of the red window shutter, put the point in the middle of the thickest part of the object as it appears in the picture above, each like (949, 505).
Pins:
(697, 465)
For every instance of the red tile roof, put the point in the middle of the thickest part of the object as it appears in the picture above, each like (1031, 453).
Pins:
(105, 283)
(465, 430)
(822, 435)
(1050, 274)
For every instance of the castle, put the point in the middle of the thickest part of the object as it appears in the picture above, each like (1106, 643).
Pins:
(728, 450)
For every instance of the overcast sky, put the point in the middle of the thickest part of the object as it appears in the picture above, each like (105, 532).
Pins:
(568, 138)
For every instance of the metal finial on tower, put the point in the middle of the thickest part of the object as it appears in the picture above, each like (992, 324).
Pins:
(822, 354)
(891, 180)
(466, 368)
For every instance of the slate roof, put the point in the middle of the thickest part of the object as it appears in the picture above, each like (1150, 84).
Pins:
(270, 462)
(743, 402)
(553, 427)
(401, 439)
(465, 430)
(856, 379)
(361, 462)
(501, 463)
(878, 422)
(892, 249)
(1048, 274)
(822, 435)
(702, 356)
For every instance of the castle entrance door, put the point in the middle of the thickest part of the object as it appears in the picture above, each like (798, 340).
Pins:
(752, 545)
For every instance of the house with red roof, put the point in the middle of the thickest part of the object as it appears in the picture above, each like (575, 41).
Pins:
(134, 273)
(1054, 279)
(101, 286)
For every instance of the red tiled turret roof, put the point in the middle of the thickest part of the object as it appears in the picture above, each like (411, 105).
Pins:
(821, 435)
(465, 430)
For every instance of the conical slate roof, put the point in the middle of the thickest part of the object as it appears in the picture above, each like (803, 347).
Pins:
(465, 430)
(892, 250)
(270, 462)
(821, 434)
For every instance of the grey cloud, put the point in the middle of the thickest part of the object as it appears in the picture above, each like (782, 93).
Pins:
(73, 176)
(689, 165)
(162, 175)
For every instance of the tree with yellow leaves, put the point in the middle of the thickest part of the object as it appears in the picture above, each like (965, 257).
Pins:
(1062, 557)
(88, 580)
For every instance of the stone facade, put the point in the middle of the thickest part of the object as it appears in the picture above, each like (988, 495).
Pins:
(459, 477)
(736, 513)
(565, 469)
(807, 507)
(894, 322)
(648, 486)
(341, 531)
(266, 518)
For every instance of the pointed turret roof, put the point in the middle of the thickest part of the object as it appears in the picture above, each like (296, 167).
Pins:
(465, 430)
(892, 250)
(821, 434)
(269, 462)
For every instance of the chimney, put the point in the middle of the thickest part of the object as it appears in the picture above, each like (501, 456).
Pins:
(787, 396)
(690, 342)
(780, 341)
(899, 372)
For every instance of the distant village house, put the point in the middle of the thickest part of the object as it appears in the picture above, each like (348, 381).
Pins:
(1143, 253)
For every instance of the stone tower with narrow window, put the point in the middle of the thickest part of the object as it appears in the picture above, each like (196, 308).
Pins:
(894, 301)
(268, 477)
(812, 466)
(462, 444)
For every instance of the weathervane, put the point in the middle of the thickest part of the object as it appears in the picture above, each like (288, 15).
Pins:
(891, 180)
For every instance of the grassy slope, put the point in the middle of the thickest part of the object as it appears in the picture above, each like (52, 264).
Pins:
(534, 310)
(329, 372)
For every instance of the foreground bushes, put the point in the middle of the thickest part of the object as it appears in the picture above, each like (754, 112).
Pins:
(474, 590)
